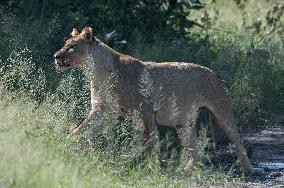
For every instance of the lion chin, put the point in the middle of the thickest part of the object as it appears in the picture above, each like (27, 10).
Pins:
(60, 67)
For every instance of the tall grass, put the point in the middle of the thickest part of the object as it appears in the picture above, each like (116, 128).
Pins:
(39, 106)
(35, 153)
(250, 66)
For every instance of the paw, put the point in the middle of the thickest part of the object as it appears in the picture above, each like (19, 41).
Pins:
(74, 131)
(189, 166)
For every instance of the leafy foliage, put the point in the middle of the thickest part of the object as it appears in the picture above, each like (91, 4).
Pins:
(250, 65)
(248, 61)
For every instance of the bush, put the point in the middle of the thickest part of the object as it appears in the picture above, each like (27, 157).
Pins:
(250, 67)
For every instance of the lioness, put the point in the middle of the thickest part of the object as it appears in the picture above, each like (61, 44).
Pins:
(193, 86)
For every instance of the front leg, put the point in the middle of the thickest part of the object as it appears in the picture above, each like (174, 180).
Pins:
(97, 107)
(99, 118)
(82, 124)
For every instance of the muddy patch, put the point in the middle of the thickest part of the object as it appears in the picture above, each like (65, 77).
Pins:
(266, 152)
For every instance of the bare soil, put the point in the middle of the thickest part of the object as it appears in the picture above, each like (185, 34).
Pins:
(266, 152)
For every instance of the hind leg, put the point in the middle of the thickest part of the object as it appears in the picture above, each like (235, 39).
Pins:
(234, 136)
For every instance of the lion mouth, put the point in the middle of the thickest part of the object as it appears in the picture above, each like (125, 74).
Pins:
(61, 65)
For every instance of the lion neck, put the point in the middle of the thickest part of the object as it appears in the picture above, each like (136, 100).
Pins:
(100, 66)
(101, 60)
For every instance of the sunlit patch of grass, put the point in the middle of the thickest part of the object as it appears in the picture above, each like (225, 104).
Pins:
(26, 160)
(230, 12)
(35, 153)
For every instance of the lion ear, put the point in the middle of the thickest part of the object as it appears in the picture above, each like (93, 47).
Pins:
(87, 33)
(74, 32)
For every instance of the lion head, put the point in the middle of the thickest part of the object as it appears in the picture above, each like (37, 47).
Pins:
(75, 50)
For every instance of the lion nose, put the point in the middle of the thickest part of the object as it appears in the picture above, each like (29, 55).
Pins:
(57, 55)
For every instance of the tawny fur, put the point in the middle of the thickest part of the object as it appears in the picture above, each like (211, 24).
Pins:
(190, 86)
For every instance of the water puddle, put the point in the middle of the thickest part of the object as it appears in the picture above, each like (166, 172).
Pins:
(271, 166)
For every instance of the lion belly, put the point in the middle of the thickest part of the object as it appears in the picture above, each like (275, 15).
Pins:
(176, 90)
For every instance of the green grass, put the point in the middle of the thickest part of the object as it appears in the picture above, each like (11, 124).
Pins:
(35, 153)
(28, 161)
(223, 12)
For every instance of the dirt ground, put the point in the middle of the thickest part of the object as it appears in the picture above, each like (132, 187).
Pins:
(265, 149)
(266, 152)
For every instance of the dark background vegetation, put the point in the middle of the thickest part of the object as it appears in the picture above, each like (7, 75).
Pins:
(248, 59)
(240, 40)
